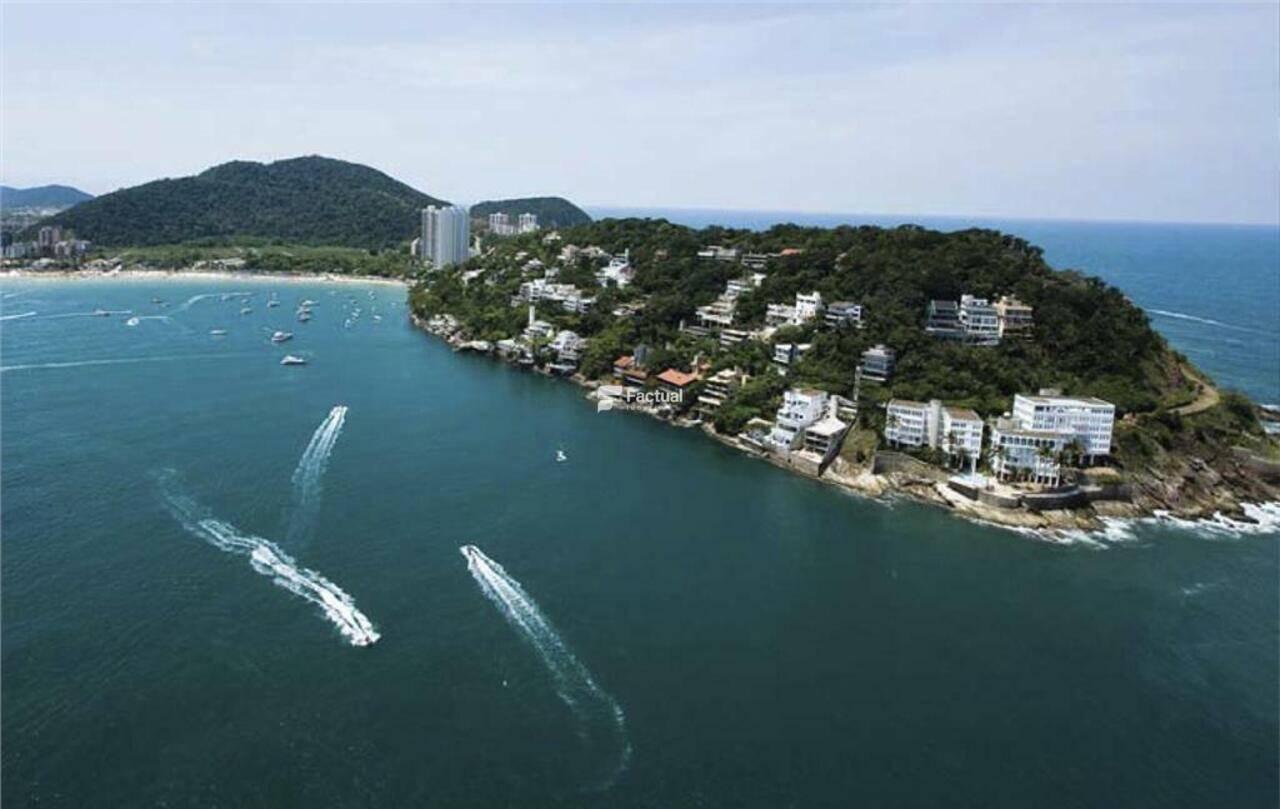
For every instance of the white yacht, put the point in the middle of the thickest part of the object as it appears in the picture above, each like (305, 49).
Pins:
(246, 311)
(217, 332)
(289, 359)
(281, 336)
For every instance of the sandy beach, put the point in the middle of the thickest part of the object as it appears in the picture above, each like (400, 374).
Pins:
(197, 275)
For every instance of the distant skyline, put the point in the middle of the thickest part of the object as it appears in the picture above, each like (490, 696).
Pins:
(1150, 112)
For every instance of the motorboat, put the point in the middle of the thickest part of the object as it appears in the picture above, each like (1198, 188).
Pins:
(281, 336)
(101, 313)
(304, 316)
(289, 359)
(246, 311)
(560, 456)
(217, 332)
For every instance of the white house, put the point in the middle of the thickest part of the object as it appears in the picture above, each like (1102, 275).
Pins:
(801, 408)
(808, 305)
(618, 271)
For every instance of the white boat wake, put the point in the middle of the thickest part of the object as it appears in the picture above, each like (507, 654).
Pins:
(18, 317)
(599, 717)
(308, 477)
(269, 560)
(39, 366)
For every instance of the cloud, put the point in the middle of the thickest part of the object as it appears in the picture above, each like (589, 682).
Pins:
(1102, 111)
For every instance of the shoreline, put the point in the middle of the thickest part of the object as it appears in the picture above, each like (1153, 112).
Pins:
(1105, 518)
(200, 275)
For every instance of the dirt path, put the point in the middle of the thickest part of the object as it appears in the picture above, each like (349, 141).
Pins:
(1206, 398)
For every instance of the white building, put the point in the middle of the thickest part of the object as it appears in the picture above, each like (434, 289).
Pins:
(980, 321)
(618, 271)
(528, 222)
(808, 305)
(906, 423)
(500, 224)
(1088, 421)
(1033, 440)
(956, 431)
(801, 408)
(446, 234)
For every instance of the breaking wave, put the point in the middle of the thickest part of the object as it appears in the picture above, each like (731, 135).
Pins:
(269, 560)
(593, 709)
(1261, 519)
(308, 477)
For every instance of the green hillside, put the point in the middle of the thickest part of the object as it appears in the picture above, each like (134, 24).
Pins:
(304, 200)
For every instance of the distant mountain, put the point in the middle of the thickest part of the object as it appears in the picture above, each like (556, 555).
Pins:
(553, 212)
(44, 196)
(304, 200)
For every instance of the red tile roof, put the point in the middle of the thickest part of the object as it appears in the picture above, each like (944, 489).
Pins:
(624, 362)
(678, 378)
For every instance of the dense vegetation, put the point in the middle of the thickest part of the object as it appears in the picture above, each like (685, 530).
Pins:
(553, 212)
(305, 200)
(1088, 339)
(262, 256)
(44, 196)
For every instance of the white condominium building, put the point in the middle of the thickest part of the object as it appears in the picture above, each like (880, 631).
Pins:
(528, 222)
(1041, 428)
(446, 233)
(954, 430)
(906, 423)
(1088, 421)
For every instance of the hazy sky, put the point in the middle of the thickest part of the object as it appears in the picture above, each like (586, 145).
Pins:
(1151, 112)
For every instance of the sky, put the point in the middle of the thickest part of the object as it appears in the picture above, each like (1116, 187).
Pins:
(1152, 112)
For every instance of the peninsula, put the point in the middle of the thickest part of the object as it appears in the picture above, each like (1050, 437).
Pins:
(957, 368)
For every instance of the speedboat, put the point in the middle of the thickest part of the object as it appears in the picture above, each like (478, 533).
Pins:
(246, 311)
(273, 303)
(157, 300)
(133, 321)
(217, 332)
(289, 359)
(560, 456)
(281, 336)
(307, 303)
(101, 313)
(304, 316)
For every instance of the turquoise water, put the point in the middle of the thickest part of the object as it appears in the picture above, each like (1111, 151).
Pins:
(656, 621)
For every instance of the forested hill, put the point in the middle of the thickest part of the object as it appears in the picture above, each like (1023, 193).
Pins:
(1088, 338)
(44, 196)
(552, 212)
(303, 200)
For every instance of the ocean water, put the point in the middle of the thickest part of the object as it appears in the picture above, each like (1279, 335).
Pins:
(220, 588)
(1212, 290)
